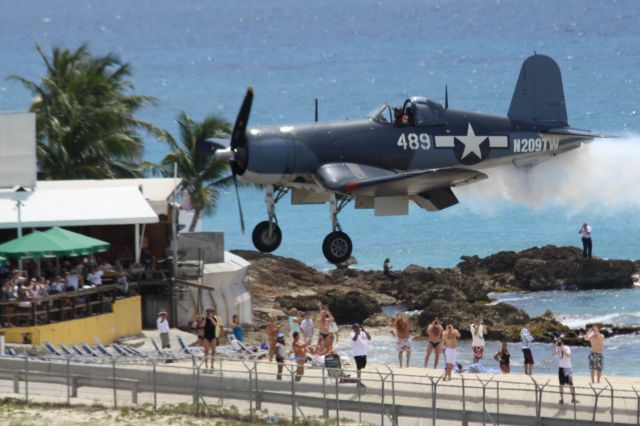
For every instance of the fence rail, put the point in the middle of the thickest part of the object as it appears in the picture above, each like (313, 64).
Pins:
(383, 395)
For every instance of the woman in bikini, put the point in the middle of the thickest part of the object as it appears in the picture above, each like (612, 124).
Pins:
(503, 356)
(272, 332)
(434, 335)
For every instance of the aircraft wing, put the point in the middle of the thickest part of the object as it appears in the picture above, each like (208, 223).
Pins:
(369, 181)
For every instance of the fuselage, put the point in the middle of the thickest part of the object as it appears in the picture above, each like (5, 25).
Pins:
(437, 138)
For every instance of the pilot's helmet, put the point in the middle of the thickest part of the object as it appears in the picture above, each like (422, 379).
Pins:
(397, 110)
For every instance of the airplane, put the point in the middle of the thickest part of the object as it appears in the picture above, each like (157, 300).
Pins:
(418, 152)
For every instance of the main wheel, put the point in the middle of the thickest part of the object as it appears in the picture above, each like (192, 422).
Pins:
(266, 241)
(337, 247)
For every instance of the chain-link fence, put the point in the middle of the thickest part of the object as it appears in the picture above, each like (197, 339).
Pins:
(382, 395)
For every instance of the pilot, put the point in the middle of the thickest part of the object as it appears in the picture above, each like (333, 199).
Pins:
(397, 117)
(407, 118)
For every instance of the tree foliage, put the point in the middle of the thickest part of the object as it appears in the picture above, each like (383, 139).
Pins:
(85, 121)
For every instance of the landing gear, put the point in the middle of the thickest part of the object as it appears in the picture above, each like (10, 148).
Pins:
(337, 246)
(267, 235)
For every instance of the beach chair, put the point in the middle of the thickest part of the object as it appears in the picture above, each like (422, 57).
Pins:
(120, 350)
(157, 348)
(191, 350)
(65, 350)
(133, 351)
(52, 349)
(244, 351)
(334, 369)
(77, 350)
(11, 352)
(102, 350)
(88, 350)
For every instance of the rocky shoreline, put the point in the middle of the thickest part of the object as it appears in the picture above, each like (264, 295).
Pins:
(454, 295)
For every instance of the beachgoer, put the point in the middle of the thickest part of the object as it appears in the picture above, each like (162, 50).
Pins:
(324, 324)
(237, 328)
(299, 349)
(596, 357)
(163, 327)
(401, 325)
(587, 242)
(294, 321)
(359, 337)
(272, 332)
(525, 339)
(386, 268)
(503, 357)
(565, 374)
(280, 350)
(477, 329)
(450, 338)
(212, 325)
(306, 326)
(434, 342)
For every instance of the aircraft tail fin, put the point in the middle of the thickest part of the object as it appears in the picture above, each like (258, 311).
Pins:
(539, 96)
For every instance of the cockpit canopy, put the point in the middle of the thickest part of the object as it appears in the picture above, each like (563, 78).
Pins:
(417, 112)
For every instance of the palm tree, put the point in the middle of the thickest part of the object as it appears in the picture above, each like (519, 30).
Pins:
(201, 174)
(85, 121)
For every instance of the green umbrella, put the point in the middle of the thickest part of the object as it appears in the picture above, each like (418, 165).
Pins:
(81, 243)
(2, 260)
(34, 245)
(53, 243)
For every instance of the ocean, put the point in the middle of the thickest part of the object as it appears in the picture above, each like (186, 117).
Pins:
(200, 56)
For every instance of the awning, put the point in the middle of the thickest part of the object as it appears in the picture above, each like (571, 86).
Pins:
(44, 208)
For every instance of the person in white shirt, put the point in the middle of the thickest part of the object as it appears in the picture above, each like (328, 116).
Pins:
(525, 339)
(306, 326)
(163, 328)
(477, 329)
(95, 277)
(73, 280)
(359, 338)
(565, 374)
(587, 243)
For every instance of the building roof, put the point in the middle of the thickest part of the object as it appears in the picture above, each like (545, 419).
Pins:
(76, 206)
(157, 191)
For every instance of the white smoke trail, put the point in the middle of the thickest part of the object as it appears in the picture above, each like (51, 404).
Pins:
(601, 176)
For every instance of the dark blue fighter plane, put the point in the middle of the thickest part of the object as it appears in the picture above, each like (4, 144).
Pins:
(420, 151)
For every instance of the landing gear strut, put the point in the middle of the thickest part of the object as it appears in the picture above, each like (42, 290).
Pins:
(337, 246)
(267, 235)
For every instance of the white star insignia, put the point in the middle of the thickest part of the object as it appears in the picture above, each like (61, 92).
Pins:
(471, 143)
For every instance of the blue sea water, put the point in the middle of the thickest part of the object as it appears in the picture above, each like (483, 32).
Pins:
(200, 56)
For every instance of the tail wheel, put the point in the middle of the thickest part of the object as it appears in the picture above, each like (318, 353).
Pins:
(337, 247)
(266, 236)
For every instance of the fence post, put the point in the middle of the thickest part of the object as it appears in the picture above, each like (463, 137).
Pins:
(637, 405)
(484, 399)
(250, 383)
(257, 391)
(26, 379)
(393, 398)
(596, 394)
(196, 391)
(16, 382)
(68, 371)
(434, 389)
(325, 407)
(293, 394)
(115, 392)
(498, 400)
(612, 399)
(155, 387)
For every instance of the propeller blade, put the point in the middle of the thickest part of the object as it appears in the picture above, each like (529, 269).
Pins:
(240, 127)
(235, 184)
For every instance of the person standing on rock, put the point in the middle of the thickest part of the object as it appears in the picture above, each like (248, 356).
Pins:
(434, 336)
(273, 329)
(401, 325)
(587, 243)
(596, 358)
(359, 338)
(450, 337)
(477, 329)
(525, 339)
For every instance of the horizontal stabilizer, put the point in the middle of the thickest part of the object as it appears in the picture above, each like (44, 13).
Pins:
(539, 96)
(211, 145)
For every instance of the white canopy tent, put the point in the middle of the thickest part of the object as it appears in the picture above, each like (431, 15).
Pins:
(77, 207)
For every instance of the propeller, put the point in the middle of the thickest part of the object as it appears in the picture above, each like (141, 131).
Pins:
(236, 153)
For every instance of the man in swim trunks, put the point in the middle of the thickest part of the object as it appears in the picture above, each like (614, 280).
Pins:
(525, 340)
(450, 338)
(434, 335)
(401, 325)
(596, 358)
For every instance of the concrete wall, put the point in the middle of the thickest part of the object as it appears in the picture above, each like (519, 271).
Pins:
(125, 320)
(210, 244)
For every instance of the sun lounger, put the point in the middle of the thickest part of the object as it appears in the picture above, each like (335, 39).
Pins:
(77, 350)
(120, 350)
(191, 350)
(88, 350)
(244, 351)
(334, 369)
(65, 350)
(133, 351)
(102, 350)
(52, 349)
(9, 351)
